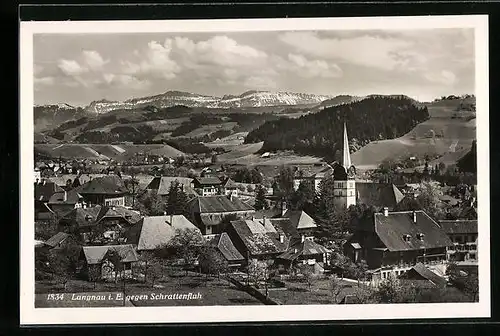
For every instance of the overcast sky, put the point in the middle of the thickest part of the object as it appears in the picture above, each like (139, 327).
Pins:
(80, 68)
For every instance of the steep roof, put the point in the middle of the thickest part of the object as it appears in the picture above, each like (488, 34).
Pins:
(426, 273)
(228, 183)
(155, 231)
(57, 239)
(305, 248)
(95, 254)
(300, 219)
(378, 194)
(66, 197)
(459, 226)
(45, 189)
(392, 228)
(106, 185)
(259, 237)
(211, 204)
(209, 180)
(162, 184)
(94, 214)
(225, 245)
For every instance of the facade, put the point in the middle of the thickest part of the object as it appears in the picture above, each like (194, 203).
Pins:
(463, 234)
(393, 242)
(207, 186)
(107, 190)
(208, 212)
(229, 188)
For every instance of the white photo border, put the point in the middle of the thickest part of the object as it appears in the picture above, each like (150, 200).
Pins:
(29, 315)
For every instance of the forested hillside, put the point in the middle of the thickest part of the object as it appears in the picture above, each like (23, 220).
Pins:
(373, 118)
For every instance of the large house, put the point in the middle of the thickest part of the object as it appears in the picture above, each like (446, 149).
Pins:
(224, 245)
(99, 225)
(229, 187)
(63, 202)
(207, 186)
(107, 262)
(463, 234)
(208, 212)
(161, 185)
(106, 190)
(154, 232)
(393, 242)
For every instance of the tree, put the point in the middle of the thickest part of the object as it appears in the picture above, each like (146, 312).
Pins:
(255, 176)
(260, 198)
(45, 230)
(243, 175)
(285, 184)
(308, 274)
(389, 290)
(62, 263)
(250, 188)
(150, 204)
(212, 262)
(466, 282)
(428, 198)
(132, 184)
(176, 200)
(336, 287)
(186, 245)
(151, 266)
(215, 158)
(258, 271)
(303, 196)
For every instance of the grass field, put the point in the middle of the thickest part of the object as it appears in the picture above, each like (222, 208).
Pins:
(240, 151)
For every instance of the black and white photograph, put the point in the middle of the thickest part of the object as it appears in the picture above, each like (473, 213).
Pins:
(254, 170)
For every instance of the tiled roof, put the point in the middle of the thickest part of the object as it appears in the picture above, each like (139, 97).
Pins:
(95, 254)
(286, 226)
(259, 240)
(66, 197)
(94, 214)
(378, 194)
(228, 183)
(391, 230)
(209, 180)
(156, 231)
(211, 204)
(44, 190)
(300, 219)
(57, 239)
(226, 247)
(408, 202)
(162, 184)
(428, 274)
(130, 216)
(306, 248)
(107, 185)
(459, 226)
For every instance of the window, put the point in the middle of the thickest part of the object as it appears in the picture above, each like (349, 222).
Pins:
(472, 256)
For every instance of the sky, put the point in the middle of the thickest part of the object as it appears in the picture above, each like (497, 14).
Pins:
(424, 64)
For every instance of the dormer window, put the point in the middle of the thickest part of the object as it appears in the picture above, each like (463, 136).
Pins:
(420, 236)
(406, 237)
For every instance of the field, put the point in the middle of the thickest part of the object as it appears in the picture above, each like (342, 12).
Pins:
(97, 151)
(276, 160)
(447, 133)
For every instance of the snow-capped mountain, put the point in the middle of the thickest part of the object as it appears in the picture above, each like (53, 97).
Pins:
(245, 100)
(52, 114)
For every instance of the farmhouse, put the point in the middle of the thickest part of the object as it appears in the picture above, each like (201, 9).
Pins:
(63, 202)
(107, 262)
(421, 273)
(154, 232)
(106, 190)
(306, 252)
(229, 187)
(393, 242)
(208, 212)
(223, 243)
(463, 234)
(207, 186)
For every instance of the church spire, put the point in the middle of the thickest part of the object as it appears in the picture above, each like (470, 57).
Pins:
(346, 156)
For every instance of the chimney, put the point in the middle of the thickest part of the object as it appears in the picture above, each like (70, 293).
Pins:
(282, 239)
(164, 213)
(171, 219)
(386, 211)
(44, 182)
(253, 218)
(65, 196)
(302, 238)
(113, 208)
(264, 220)
(414, 216)
(283, 208)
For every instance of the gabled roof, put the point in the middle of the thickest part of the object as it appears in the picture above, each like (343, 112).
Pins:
(305, 248)
(258, 237)
(95, 254)
(130, 216)
(225, 245)
(392, 228)
(66, 197)
(300, 219)
(161, 184)
(153, 232)
(426, 273)
(106, 185)
(459, 226)
(228, 183)
(408, 202)
(209, 180)
(44, 190)
(378, 194)
(94, 214)
(57, 239)
(214, 204)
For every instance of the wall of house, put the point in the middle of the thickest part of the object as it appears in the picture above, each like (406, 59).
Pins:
(119, 201)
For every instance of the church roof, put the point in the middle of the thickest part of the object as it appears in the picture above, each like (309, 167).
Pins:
(346, 156)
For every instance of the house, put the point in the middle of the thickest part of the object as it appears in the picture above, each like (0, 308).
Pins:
(378, 195)
(153, 232)
(420, 272)
(59, 241)
(229, 187)
(463, 234)
(99, 225)
(393, 242)
(257, 238)
(106, 190)
(207, 186)
(37, 176)
(223, 243)
(208, 212)
(63, 202)
(161, 185)
(100, 262)
(43, 191)
(306, 252)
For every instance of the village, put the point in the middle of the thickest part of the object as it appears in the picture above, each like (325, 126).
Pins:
(318, 234)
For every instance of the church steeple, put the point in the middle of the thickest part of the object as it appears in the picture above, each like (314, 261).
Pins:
(346, 156)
